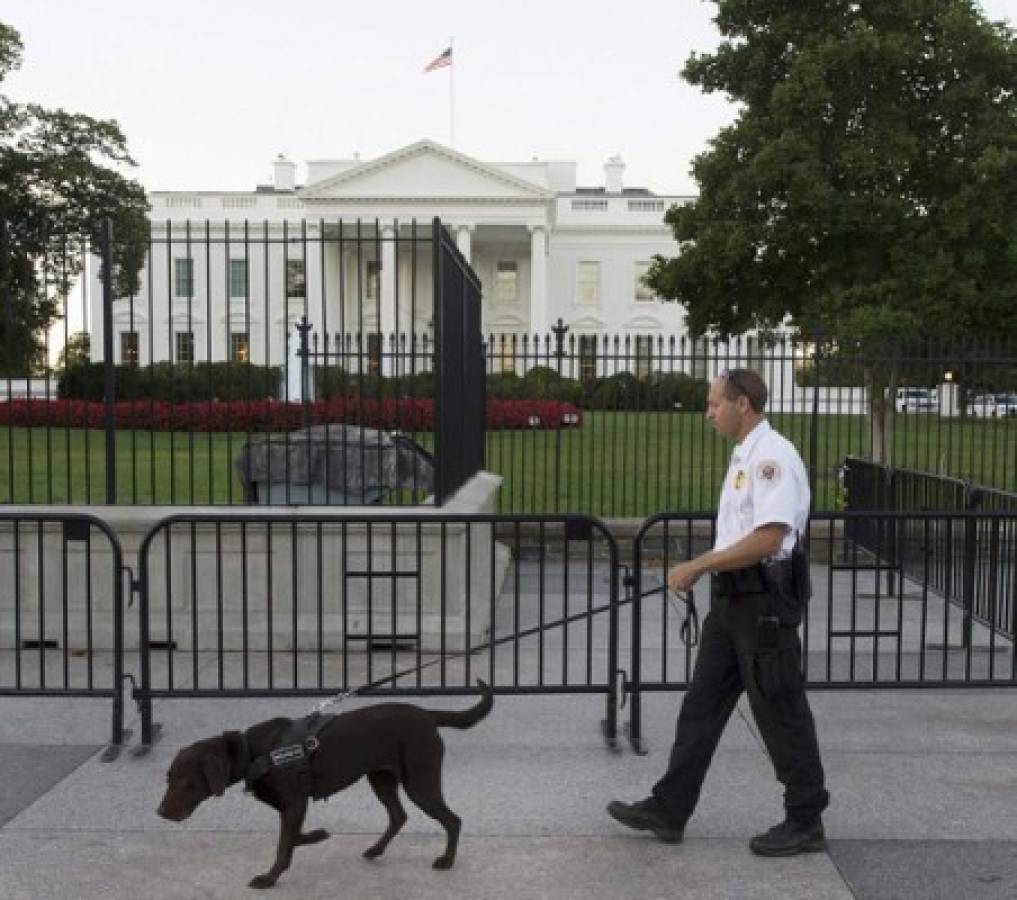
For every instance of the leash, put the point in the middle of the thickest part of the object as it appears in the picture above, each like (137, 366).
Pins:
(689, 633)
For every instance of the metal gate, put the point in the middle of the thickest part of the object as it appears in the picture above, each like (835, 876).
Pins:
(267, 604)
(855, 633)
(61, 611)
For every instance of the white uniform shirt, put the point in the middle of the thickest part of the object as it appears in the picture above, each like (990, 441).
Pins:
(765, 484)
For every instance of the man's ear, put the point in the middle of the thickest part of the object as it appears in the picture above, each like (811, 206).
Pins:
(216, 773)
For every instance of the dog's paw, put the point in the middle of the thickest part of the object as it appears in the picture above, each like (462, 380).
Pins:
(261, 881)
(314, 837)
(443, 862)
(373, 852)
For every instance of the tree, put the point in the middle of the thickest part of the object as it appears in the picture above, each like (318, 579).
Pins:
(58, 182)
(76, 352)
(868, 186)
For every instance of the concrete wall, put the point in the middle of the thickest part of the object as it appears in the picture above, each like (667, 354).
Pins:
(205, 575)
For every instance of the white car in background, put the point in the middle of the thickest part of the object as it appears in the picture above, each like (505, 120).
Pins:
(916, 399)
(990, 406)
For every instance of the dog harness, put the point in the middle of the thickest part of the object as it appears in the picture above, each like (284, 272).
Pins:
(295, 752)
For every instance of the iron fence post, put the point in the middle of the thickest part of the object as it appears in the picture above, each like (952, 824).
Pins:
(109, 394)
(303, 326)
(972, 498)
(559, 351)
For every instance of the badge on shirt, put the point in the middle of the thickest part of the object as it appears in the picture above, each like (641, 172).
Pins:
(769, 470)
(740, 479)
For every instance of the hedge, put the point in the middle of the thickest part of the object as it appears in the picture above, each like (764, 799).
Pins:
(404, 414)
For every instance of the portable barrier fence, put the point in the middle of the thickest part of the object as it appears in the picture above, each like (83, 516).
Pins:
(965, 565)
(854, 633)
(278, 605)
(284, 605)
(61, 611)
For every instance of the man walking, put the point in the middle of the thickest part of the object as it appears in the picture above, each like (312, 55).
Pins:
(750, 637)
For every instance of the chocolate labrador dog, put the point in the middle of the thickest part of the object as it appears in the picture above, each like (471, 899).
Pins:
(390, 743)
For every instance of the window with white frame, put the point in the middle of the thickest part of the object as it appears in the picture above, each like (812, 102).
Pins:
(587, 357)
(238, 278)
(700, 357)
(644, 355)
(372, 280)
(588, 283)
(129, 348)
(184, 346)
(506, 281)
(501, 353)
(295, 283)
(374, 345)
(183, 277)
(643, 292)
(240, 346)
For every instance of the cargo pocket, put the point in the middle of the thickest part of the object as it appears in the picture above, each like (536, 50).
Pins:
(777, 673)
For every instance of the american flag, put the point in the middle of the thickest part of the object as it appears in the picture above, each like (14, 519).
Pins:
(440, 61)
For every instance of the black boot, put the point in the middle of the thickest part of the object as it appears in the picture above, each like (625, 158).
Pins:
(646, 815)
(790, 838)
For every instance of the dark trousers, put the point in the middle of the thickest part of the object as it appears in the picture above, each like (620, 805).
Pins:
(730, 660)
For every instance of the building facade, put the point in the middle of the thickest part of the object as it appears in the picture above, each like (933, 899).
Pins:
(229, 274)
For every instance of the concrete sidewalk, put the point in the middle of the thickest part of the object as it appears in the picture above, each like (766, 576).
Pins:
(924, 789)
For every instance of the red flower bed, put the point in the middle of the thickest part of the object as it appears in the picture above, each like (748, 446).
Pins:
(403, 413)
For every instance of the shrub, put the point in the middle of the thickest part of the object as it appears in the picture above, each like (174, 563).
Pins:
(389, 413)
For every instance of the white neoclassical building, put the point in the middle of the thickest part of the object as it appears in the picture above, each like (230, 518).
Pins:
(229, 273)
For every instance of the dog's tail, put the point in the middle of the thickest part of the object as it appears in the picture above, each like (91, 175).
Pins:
(466, 718)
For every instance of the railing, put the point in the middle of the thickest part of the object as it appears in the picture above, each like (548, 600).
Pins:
(276, 605)
(62, 611)
(854, 633)
(204, 356)
(965, 562)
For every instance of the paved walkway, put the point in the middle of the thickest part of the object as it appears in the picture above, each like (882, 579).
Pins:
(924, 789)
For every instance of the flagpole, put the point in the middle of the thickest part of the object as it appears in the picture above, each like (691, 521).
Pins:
(451, 94)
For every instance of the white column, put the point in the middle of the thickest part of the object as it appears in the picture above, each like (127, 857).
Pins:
(463, 235)
(538, 279)
(387, 313)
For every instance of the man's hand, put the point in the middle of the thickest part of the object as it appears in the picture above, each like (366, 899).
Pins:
(684, 575)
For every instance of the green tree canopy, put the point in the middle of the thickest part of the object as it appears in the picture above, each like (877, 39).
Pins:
(868, 186)
(58, 182)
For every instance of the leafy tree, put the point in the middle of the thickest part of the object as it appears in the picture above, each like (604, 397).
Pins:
(58, 182)
(868, 186)
(77, 351)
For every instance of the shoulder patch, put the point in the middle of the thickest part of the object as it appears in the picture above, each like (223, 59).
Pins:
(769, 470)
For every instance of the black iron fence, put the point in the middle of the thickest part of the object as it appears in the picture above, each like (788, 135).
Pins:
(253, 331)
(275, 604)
(237, 334)
(643, 444)
(62, 611)
(966, 564)
(928, 632)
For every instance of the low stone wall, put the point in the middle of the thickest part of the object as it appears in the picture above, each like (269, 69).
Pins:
(235, 584)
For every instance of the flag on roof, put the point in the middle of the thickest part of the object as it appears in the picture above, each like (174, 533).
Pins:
(440, 61)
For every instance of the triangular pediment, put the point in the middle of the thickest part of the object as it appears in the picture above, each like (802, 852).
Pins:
(425, 170)
(587, 323)
(644, 323)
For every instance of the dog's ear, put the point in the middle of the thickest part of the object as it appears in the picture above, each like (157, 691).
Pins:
(216, 773)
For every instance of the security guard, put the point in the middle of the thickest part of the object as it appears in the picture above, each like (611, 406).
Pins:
(750, 637)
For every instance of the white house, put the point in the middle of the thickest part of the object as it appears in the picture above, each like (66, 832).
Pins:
(228, 272)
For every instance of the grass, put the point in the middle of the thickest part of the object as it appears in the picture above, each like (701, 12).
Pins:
(617, 464)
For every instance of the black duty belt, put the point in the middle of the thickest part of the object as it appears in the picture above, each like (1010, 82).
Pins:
(749, 580)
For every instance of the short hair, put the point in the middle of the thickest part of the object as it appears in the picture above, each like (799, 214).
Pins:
(748, 384)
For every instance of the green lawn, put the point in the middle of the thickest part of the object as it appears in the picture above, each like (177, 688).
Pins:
(617, 464)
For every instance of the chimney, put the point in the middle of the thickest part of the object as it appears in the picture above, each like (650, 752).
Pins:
(613, 170)
(284, 174)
